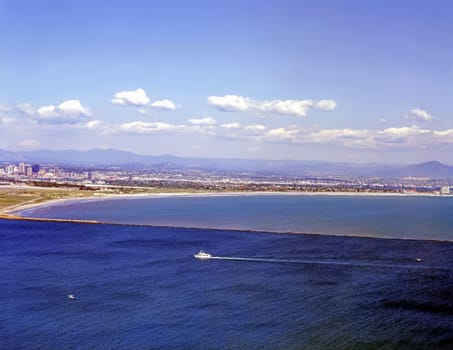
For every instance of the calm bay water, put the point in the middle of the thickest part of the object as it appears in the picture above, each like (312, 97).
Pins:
(140, 287)
(390, 216)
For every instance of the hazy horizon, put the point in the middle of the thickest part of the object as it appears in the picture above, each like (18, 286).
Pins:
(239, 157)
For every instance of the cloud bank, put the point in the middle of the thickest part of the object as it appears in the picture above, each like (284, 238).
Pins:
(71, 116)
(406, 136)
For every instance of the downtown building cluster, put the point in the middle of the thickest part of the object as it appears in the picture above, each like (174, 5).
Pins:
(12, 170)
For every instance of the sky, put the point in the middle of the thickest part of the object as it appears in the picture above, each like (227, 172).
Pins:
(349, 81)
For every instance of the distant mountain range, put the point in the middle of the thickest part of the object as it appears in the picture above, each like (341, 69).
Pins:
(111, 157)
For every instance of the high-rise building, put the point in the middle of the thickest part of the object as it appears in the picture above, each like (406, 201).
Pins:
(10, 169)
(35, 168)
(22, 168)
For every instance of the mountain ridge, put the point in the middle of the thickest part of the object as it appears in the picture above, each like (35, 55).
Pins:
(113, 157)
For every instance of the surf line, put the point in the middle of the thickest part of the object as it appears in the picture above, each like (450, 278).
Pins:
(327, 262)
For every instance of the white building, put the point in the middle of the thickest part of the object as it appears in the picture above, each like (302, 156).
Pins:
(445, 190)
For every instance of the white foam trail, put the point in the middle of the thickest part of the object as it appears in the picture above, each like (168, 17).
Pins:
(326, 262)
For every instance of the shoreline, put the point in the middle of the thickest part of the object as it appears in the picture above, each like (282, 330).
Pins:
(27, 218)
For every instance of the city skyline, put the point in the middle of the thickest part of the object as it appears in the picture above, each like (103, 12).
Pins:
(327, 80)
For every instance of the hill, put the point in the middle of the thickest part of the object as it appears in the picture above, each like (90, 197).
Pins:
(112, 157)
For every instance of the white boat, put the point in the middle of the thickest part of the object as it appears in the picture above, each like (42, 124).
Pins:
(202, 255)
(71, 297)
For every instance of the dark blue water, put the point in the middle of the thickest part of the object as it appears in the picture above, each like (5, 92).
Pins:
(140, 288)
(390, 216)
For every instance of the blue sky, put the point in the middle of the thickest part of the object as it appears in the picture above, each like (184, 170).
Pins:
(355, 81)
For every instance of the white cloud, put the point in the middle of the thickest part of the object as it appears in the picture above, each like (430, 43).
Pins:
(420, 115)
(351, 138)
(407, 136)
(290, 107)
(234, 103)
(444, 135)
(400, 135)
(136, 98)
(140, 127)
(139, 98)
(414, 136)
(329, 135)
(93, 124)
(231, 103)
(67, 112)
(448, 132)
(326, 105)
(281, 134)
(98, 126)
(203, 121)
(143, 111)
(26, 108)
(362, 138)
(72, 107)
(72, 117)
(166, 105)
(204, 126)
(255, 128)
(47, 111)
(235, 131)
(231, 126)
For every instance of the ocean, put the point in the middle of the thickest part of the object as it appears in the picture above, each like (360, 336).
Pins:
(139, 287)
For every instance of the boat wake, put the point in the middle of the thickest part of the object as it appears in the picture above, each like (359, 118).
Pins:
(329, 262)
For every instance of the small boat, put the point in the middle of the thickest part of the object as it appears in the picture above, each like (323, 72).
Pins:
(418, 260)
(202, 255)
(71, 297)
